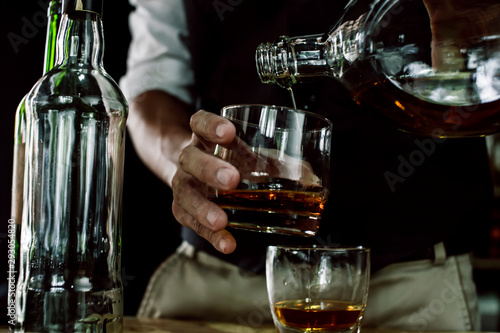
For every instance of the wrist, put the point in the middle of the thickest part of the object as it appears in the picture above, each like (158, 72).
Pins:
(158, 125)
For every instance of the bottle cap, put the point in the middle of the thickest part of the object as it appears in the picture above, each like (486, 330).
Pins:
(94, 6)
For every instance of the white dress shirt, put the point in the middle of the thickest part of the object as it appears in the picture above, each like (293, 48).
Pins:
(159, 57)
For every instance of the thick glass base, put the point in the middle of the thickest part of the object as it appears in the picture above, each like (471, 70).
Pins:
(62, 310)
(273, 223)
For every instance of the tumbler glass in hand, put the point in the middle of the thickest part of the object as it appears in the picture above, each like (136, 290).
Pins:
(283, 156)
(317, 289)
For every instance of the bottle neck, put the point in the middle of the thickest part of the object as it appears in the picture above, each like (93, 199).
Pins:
(95, 6)
(291, 60)
(54, 19)
(80, 41)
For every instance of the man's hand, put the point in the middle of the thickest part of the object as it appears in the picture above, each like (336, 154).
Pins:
(198, 167)
(454, 24)
(164, 137)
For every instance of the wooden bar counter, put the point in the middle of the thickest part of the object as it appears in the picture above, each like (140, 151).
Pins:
(134, 325)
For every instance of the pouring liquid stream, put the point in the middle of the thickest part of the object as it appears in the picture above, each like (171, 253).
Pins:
(294, 105)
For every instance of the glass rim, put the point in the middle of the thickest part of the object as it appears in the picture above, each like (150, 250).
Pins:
(331, 248)
(282, 107)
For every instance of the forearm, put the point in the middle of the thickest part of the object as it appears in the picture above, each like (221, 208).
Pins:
(158, 125)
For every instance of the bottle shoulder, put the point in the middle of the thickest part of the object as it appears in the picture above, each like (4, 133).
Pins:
(89, 85)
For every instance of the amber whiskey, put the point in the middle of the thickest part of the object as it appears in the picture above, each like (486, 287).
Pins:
(418, 113)
(318, 316)
(278, 206)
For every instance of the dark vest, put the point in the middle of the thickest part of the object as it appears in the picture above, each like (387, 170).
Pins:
(393, 192)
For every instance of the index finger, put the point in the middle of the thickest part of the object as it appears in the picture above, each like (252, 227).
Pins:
(212, 128)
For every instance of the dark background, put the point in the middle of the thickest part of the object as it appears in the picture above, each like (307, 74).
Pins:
(149, 232)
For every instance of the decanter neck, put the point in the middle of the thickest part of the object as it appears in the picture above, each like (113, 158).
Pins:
(287, 60)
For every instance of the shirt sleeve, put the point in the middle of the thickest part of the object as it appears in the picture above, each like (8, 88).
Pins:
(158, 57)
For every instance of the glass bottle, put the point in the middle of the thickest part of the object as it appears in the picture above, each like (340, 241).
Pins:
(53, 19)
(70, 277)
(430, 66)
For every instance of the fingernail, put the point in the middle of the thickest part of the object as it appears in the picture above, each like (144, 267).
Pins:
(223, 245)
(223, 176)
(212, 217)
(220, 130)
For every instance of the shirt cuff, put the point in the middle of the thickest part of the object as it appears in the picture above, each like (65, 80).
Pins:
(165, 74)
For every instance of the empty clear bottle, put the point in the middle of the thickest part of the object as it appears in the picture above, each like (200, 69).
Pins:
(70, 277)
(430, 66)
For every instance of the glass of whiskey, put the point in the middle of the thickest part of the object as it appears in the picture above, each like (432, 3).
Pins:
(283, 156)
(317, 289)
